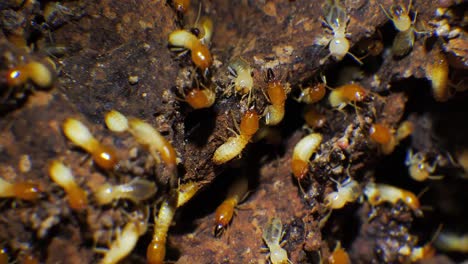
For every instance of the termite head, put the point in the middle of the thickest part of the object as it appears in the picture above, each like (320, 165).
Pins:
(200, 98)
(249, 123)
(400, 17)
(380, 133)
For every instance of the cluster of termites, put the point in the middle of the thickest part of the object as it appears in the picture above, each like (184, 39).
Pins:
(195, 39)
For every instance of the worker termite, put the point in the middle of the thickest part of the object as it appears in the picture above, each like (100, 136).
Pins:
(20, 190)
(156, 251)
(77, 132)
(418, 168)
(302, 153)
(404, 39)
(379, 193)
(236, 193)
(41, 74)
(452, 242)
(148, 136)
(242, 72)
(234, 145)
(200, 53)
(125, 240)
(346, 192)
(136, 190)
(274, 113)
(181, 6)
(437, 72)
(62, 175)
(337, 19)
(116, 122)
(339, 256)
(313, 118)
(346, 94)
(272, 235)
(313, 93)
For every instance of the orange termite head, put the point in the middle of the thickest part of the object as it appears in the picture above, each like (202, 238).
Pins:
(299, 168)
(27, 191)
(249, 123)
(313, 94)
(411, 200)
(313, 118)
(380, 133)
(200, 98)
(201, 56)
(354, 92)
(156, 252)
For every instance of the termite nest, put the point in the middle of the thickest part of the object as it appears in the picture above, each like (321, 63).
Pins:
(189, 131)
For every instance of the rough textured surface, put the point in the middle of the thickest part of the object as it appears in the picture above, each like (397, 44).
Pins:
(100, 47)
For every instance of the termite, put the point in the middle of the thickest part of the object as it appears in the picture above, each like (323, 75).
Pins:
(336, 19)
(437, 72)
(234, 145)
(419, 169)
(148, 136)
(302, 153)
(404, 40)
(125, 241)
(274, 113)
(272, 235)
(242, 72)
(346, 192)
(346, 94)
(201, 55)
(313, 93)
(136, 190)
(41, 74)
(379, 193)
(236, 193)
(339, 256)
(62, 175)
(156, 251)
(20, 190)
(78, 133)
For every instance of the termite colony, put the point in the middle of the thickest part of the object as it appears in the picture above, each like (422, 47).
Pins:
(125, 187)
